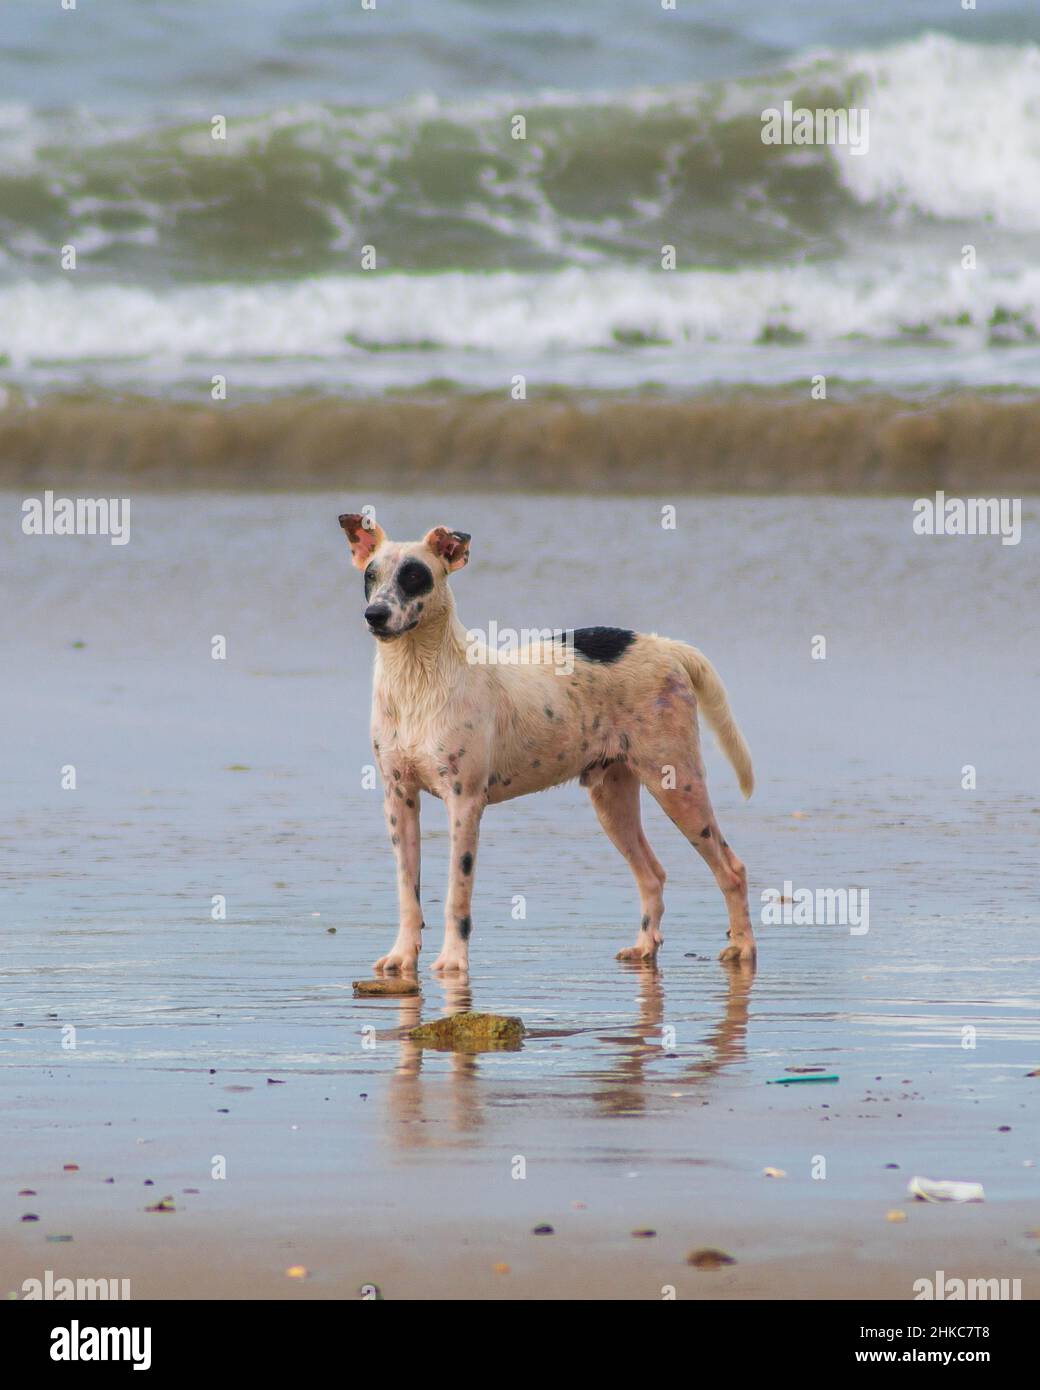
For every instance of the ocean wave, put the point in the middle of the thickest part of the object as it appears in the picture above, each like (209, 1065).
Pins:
(511, 315)
(598, 180)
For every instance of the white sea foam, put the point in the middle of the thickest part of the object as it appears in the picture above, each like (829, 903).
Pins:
(574, 309)
(954, 130)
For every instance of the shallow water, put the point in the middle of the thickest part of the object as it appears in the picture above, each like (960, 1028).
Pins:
(106, 890)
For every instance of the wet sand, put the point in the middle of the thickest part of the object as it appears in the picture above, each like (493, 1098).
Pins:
(726, 441)
(375, 1162)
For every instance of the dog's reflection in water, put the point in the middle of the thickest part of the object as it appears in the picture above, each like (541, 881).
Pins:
(425, 1111)
(622, 1084)
(444, 1105)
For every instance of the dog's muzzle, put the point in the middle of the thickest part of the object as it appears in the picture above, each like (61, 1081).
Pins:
(377, 615)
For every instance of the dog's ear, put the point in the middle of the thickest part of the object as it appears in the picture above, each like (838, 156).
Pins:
(365, 537)
(451, 546)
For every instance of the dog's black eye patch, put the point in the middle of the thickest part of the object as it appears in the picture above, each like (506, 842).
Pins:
(371, 575)
(414, 578)
(602, 643)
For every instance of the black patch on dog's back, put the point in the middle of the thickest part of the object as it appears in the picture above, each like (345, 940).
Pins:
(602, 643)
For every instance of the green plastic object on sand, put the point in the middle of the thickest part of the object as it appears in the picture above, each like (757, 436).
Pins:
(798, 1080)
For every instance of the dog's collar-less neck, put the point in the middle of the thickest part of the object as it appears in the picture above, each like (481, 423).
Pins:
(424, 663)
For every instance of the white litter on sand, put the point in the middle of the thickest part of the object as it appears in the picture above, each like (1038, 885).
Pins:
(929, 1190)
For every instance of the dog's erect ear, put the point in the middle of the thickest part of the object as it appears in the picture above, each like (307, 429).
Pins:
(364, 535)
(451, 546)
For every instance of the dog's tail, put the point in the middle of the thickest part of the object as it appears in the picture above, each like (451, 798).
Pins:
(711, 695)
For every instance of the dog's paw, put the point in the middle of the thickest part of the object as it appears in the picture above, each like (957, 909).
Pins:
(397, 963)
(452, 962)
(739, 953)
(645, 954)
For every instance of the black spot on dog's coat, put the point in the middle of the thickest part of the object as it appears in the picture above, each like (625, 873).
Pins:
(465, 927)
(602, 643)
(706, 833)
(467, 863)
(414, 578)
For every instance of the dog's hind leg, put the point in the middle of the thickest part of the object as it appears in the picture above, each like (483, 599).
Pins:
(615, 797)
(688, 806)
(401, 805)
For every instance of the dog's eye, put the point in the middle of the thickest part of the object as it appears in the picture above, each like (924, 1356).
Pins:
(371, 575)
(414, 578)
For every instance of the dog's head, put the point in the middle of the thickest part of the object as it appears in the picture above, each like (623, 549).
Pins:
(405, 581)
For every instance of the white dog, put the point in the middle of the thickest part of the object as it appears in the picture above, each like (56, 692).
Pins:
(623, 713)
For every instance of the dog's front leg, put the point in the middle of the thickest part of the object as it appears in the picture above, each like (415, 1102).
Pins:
(401, 804)
(464, 811)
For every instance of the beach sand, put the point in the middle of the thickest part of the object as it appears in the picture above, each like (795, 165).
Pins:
(376, 1163)
(738, 440)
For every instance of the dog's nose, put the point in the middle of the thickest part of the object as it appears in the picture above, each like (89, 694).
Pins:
(376, 615)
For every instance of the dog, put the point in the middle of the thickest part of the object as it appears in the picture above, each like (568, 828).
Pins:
(473, 731)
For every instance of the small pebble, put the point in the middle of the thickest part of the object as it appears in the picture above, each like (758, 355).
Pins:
(709, 1259)
(389, 985)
